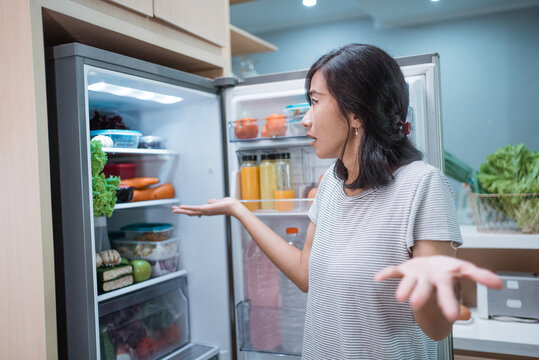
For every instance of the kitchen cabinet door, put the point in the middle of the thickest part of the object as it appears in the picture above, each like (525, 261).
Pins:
(207, 19)
(142, 6)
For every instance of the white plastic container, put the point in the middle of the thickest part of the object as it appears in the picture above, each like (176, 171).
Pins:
(147, 250)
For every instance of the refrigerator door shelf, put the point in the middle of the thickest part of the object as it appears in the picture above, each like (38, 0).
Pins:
(281, 207)
(260, 329)
(260, 129)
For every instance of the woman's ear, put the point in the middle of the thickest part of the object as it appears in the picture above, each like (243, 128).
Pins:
(355, 122)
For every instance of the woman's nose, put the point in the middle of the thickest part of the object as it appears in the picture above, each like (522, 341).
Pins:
(307, 119)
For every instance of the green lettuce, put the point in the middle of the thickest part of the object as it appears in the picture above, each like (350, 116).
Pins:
(103, 189)
(513, 169)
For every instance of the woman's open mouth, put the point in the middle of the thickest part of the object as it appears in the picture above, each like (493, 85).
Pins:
(312, 137)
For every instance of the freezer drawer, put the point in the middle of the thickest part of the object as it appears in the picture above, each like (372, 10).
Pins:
(145, 324)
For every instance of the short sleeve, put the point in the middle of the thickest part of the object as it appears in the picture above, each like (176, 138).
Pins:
(314, 209)
(433, 214)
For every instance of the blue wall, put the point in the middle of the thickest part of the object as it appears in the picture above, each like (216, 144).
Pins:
(489, 71)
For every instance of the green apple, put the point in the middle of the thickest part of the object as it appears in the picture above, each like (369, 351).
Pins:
(141, 270)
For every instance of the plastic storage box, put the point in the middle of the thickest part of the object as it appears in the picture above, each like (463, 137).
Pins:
(146, 250)
(152, 142)
(123, 170)
(165, 265)
(148, 231)
(120, 138)
(297, 110)
(146, 324)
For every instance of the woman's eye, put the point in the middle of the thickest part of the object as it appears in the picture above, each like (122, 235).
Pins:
(313, 101)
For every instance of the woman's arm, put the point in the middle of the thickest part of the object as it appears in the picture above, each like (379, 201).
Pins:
(428, 282)
(293, 262)
(428, 315)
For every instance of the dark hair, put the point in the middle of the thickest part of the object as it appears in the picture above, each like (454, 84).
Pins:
(368, 83)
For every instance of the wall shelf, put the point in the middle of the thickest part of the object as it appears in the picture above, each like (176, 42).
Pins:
(474, 239)
(495, 336)
(243, 43)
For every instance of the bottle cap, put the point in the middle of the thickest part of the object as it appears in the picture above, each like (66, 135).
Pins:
(291, 230)
(263, 157)
(248, 158)
(286, 156)
(271, 157)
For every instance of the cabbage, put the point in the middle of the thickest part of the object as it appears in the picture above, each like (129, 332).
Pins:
(514, 169)
(103, 189)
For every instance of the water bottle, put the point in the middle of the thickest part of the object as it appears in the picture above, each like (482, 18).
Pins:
(263, 292)
(293, 305)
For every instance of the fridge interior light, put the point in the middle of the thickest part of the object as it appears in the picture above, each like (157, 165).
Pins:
(134, 93)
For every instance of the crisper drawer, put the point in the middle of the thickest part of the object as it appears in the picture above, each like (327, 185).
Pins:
(145, 324)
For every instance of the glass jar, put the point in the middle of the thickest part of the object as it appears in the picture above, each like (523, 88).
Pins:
(250, 181)
(284, 188)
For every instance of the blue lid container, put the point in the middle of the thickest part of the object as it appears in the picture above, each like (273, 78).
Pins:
(120, 138)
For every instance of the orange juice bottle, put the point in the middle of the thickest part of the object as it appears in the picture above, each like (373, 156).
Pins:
(284, 189)
(250, 181)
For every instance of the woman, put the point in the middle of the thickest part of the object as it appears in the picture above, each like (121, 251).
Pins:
(379, 214)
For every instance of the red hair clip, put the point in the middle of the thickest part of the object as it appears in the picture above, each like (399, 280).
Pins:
(405, 127)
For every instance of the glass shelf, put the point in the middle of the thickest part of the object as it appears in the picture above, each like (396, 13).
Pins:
(138, 204)
(141, 285)
(136, 151)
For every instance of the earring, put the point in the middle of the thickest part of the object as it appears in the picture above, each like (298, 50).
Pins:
(356, 132)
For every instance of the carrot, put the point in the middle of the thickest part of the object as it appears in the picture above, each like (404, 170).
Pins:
(142, 195)
(139, 182)
(165, 191)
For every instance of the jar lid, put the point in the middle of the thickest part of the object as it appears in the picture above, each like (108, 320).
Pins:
(292, 230)
(248, 158)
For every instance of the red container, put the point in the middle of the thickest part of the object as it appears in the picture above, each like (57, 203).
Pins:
(124, 171)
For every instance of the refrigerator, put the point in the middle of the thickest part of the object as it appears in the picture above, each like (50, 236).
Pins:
(222, 299)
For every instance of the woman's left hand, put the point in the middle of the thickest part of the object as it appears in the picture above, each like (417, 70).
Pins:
(427, 275)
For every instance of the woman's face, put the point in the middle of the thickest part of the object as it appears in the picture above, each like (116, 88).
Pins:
(325, 123)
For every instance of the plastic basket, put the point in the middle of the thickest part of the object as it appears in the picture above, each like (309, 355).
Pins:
(505, 213)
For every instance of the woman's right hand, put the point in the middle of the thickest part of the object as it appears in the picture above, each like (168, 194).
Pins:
(226, 206)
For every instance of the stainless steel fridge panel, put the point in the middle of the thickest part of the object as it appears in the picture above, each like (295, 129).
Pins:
(72, 207)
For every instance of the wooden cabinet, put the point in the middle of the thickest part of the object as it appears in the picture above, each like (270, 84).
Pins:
(205, 18)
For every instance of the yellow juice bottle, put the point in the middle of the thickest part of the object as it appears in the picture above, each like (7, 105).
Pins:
(268, 181)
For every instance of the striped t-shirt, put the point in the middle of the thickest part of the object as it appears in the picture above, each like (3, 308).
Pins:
(349, 315)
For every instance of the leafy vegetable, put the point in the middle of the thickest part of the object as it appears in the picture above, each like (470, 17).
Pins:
(514, 169)
(103, 189)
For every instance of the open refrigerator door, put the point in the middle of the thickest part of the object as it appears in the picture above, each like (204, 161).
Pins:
(151, 121)
(273, 170)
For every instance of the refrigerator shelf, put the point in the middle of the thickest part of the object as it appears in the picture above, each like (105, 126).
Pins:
(193, 352)
(141, 285)
(138, 204)
(136, 151)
